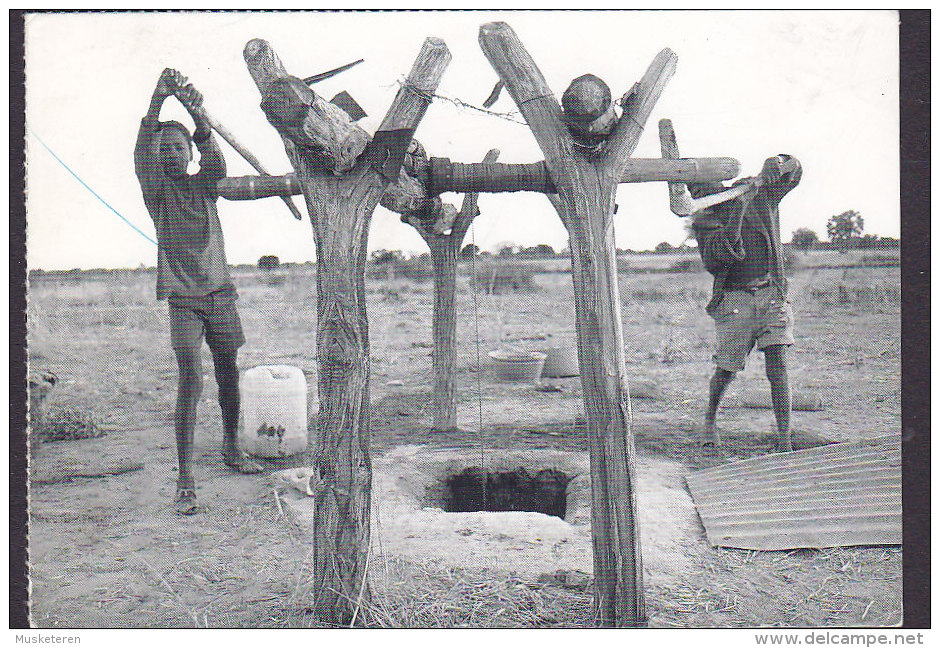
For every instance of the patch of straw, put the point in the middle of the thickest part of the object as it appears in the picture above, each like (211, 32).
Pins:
(67, 424)
(414, 595)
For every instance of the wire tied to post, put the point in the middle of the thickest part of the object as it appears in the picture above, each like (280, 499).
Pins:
(460, 103)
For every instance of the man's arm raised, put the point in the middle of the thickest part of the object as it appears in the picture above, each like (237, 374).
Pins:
(147, 150)
(781, 173)
(211, 161)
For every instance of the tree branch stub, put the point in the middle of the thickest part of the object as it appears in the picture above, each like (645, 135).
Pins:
(528, 88)
(319, 132)
(626, 134)
(415, 96)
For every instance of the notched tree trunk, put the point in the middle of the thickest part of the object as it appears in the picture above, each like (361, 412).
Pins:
(341, 191)
(586, 179)
(444, 236)
(444, 333)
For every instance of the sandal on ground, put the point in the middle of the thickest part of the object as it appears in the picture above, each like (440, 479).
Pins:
(711, 445)
(709, 449)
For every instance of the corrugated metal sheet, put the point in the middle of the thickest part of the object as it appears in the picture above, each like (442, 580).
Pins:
(837, 495)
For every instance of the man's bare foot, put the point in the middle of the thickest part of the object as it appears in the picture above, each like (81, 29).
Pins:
(240, 463)
(711, 438)
(708, 455)
(185, 501)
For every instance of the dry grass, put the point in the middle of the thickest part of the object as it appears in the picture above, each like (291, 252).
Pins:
(842, 586)
(106, 338)
(868, 297)
(839, 587)
(496, 277)
(409, 595)
(68, 424)
(687, 264)
(668, 292)
(419, 268)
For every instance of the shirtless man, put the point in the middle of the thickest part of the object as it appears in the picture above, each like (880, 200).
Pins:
(192, 269)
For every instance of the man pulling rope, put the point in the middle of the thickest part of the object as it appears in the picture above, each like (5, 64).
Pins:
(739, 241)
(193, 273)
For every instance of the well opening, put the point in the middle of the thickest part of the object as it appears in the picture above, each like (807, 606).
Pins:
(517, 490)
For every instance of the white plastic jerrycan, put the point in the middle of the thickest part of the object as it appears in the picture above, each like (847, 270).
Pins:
(273, 411)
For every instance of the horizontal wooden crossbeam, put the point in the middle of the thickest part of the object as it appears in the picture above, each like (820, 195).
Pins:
(442, 175)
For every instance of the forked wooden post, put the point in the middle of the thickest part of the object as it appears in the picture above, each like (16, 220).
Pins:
(586, 181)
(341, 189)
(444, 249)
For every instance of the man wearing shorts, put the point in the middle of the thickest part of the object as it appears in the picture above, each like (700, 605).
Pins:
(192, 270)
(739, 242)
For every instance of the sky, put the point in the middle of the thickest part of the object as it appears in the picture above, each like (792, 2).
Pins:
(820, 85)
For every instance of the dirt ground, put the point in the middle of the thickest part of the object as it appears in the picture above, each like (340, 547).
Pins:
(111, 552)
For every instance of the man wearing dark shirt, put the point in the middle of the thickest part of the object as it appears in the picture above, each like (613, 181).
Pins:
(739, 242)
(192, 269)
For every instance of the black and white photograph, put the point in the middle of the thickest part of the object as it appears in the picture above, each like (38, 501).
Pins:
(465, 319)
